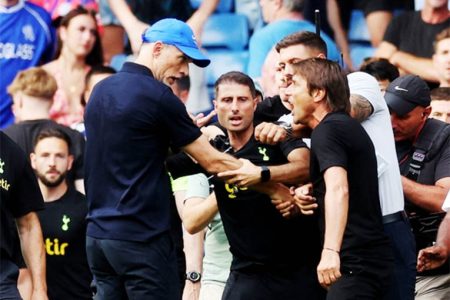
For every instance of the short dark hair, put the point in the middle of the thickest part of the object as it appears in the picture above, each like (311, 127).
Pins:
(97, 69)
(306, 38)
(325, 74)
(442, 93)
(380, 68)
(236, 77)
(50, 132)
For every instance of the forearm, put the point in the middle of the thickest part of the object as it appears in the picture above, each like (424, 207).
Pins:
(336, 210)
(291, 173)
(32, 246)
(415, 65)
(193, 250)
(443, 236)
(428, 197)
(123, 12)
(199, 17)
(198, 213)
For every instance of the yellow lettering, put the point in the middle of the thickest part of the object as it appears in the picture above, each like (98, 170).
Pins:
(48, 246)
(56, 247)
(63, 248)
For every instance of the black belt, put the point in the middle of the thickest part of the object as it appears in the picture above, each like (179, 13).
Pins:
(395, 217)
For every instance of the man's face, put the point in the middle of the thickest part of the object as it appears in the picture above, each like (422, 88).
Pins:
(170, 65)
(440, 109)
(436, 3)
(441, 60)
(405, 127)
(235, 106)
(301, 100)
(51, 161)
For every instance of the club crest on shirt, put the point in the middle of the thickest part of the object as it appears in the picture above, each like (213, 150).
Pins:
(262, 151)
(28, 33)
(233, 189)
(65, 221)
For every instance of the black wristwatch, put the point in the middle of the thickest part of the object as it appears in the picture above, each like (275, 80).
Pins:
(265, 173)
(193, 276)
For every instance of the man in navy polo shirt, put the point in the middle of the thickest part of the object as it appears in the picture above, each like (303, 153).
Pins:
(131, 120)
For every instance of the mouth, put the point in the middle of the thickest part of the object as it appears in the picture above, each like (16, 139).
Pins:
(235, 120)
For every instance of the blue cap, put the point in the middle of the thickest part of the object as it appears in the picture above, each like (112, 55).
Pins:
(176, 33)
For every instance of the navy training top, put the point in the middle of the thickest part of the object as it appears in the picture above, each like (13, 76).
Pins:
(131, 119)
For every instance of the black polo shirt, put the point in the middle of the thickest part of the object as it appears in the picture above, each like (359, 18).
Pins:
(131, 119)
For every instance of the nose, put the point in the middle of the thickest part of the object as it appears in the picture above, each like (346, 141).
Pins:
(184, 69)
(234, 106)
(52, 160)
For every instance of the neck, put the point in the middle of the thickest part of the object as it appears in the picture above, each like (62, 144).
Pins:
(70, 61)
(239, 139)
(51, 194)
(432, 15)
(35, 109)
(317, 116)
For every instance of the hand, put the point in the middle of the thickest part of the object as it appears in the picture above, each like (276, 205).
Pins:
(248, 174)
(328, 269)
(287, 209)
(211, 131)
(201, 120)
(431, 258)
(269, 133)
(304, 200)
(191, 290)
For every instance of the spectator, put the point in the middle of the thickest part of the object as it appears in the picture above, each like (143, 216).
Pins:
(383, 71)
(20, 198)
(94, 76)
(344, 172)
(283, 17)
(32, 91)
(408, 41)
(63, 220)
(423, 153)
(441, 57)
(78, 50)
(27, 40)
(58, 8)
(440, 104)
(128, 208)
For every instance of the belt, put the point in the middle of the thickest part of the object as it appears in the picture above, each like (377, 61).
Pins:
(395, 217)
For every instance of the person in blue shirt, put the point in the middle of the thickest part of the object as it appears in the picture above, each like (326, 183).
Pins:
(27, 39)
(131, 120)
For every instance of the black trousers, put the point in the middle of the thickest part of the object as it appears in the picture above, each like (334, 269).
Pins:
(273, 284)
(134, 270)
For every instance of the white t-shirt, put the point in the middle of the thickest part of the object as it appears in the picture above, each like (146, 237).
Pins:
(378, 127)
(446, 204)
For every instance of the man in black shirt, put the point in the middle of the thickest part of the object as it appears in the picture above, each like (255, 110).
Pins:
(63, 220)
(273, 257)
(356, 258)
(20, 198)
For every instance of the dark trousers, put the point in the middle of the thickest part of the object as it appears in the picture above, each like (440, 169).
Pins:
(9, 273)
(404, 249)
(366, 280)
(267, 285)
(134, 270)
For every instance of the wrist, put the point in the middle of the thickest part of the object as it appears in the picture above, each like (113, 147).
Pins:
(331, 250)
(193, 276)
(265, 174)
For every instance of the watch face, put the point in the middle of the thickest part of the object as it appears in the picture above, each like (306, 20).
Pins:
(193, 276)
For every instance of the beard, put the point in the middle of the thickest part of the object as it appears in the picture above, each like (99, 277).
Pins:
(51, 183)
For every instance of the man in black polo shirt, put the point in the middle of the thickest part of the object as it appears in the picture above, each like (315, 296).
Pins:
(131, 119)
(356, 259)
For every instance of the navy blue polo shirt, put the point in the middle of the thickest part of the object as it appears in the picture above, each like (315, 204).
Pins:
(131, 119)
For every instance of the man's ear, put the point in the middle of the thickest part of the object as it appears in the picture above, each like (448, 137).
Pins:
(321, 55)
(215, 104)
(157, 49)
(318, 94)
(69, 162)
(33, 160)
(426, 112)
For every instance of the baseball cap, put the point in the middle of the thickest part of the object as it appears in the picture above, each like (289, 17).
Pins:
(406, 93)
(176, 33)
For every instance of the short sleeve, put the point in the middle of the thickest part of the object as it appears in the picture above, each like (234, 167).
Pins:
(198, 186)
(329, 147)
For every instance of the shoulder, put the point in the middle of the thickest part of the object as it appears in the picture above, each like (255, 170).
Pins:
(52, 67)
